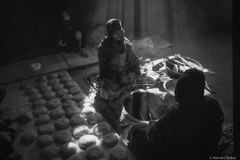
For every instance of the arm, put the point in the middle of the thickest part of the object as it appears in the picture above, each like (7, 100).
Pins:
(132, 61)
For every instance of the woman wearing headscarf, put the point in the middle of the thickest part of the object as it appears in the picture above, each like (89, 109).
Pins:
(191, 130)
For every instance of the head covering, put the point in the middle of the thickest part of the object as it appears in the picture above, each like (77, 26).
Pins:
(113, 25)
(190, 86)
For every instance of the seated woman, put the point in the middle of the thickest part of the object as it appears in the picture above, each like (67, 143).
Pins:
(191, 130)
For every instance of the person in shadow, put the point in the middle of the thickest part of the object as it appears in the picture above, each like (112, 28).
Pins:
(189, 130)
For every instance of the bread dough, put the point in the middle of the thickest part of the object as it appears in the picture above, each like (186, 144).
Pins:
(94, 153)
(69, 149)
(53, 103)
(118, 153)
(63, 136)
(45, 140)
(25, 117)
(75, 90)
(28, 137)
(66, 79)
(61, 123)
(94, 118)
(77, 156)
(39, 111)
(62, 92)
(68, 103)
(38, 103)
(57, 86)
(77, 119)
(78, 97)
(56, 113)
(80, 130)
(52, 75)
(63, 74)
(66, 97)
(86, 140)
(42, 119)
(88, 110)
(72, 110)
(48, 95)
(46, 129)
(102, 128)
(70, 84)
(109, 140)
(31, 91)
(35, 97)
(53, 81)
(50, 152)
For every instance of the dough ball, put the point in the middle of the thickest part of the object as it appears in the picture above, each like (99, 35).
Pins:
(77, 157)
(75, 90)
(39, 111)
(52, 75)
(118, 153)
(71, 84)
(63, 136)
(56, 113)
(68, 103)
(62, 92)
(61, 123)
(45, 140)
(102, 128)
(42, 119)
(66, 79)
(38, 103)
(79, 131)
(31, 91)
(48, 95)
(53, 103)
(50, 152)
(94, 153)
(77, 119)
(41, 79)
(25, 117)
(72, 111)
(46, 129)
(63, 74)
(57, 86)
(66, 97)
(69, 149)
(88, 110)
(109, 140)
(53, 81)
(35, 97)
(28, 137)
(94, 118)
(86, 140)
(79, 97)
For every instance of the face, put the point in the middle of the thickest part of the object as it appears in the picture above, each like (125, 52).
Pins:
(117, 35)
(66, 16)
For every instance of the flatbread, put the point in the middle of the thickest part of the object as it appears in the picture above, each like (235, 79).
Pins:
(53, 103)
(39, 111)
(52, 75)
(25, 117)
(53, 81)
(109, 140)
(44, 88)
(69, 149)
(56, 113)
(68, 103)
(46, 129)
(118, 153)
(57, 86)
(77, 119)
(38, 103)
(61, 123)
(86, 140)
(48, 95)
(50, 152)
(29, 137)
(75, 90)
(66, 79)
(66, 97)
(102, 128)
(43, 119)
(45, 140)
(94, 153)
(72, 111)
(94, 118)
(63, 136)
(62, 92)
(71, 84)
(79, 131)
(35, 97)
(41, 84)
(78, 97)
(63, 74)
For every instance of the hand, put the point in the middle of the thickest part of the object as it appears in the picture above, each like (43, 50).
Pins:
(61, 43)
(78, 35)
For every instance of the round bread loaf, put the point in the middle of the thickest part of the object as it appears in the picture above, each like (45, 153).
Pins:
(28, 137)
(53, 103)
(43, 119)
(39, 111)
(52, 75)
(62, 92)
(45, 140)
(48, 95)
(94, 118)
(38, 103)
(77, 157)
(109, 140)
(86, 140)
(70, 84)
(63, 74)
(88, 110)
(118, 153)
(57, 86)
(66, 79)
(94, 153)
(77, 119)
(78, 97)
(102, 128)
(72, 111)
(35, 97)
(46, 129)
(68, 103)
(61, 123)
(53, 81)
(75, 90)
(66, 97)
(41, 79)
(68, 149)
(63, 136)
(50, 151)
(79, 131)
(56, 113)
(31, 91)
(24, 117)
